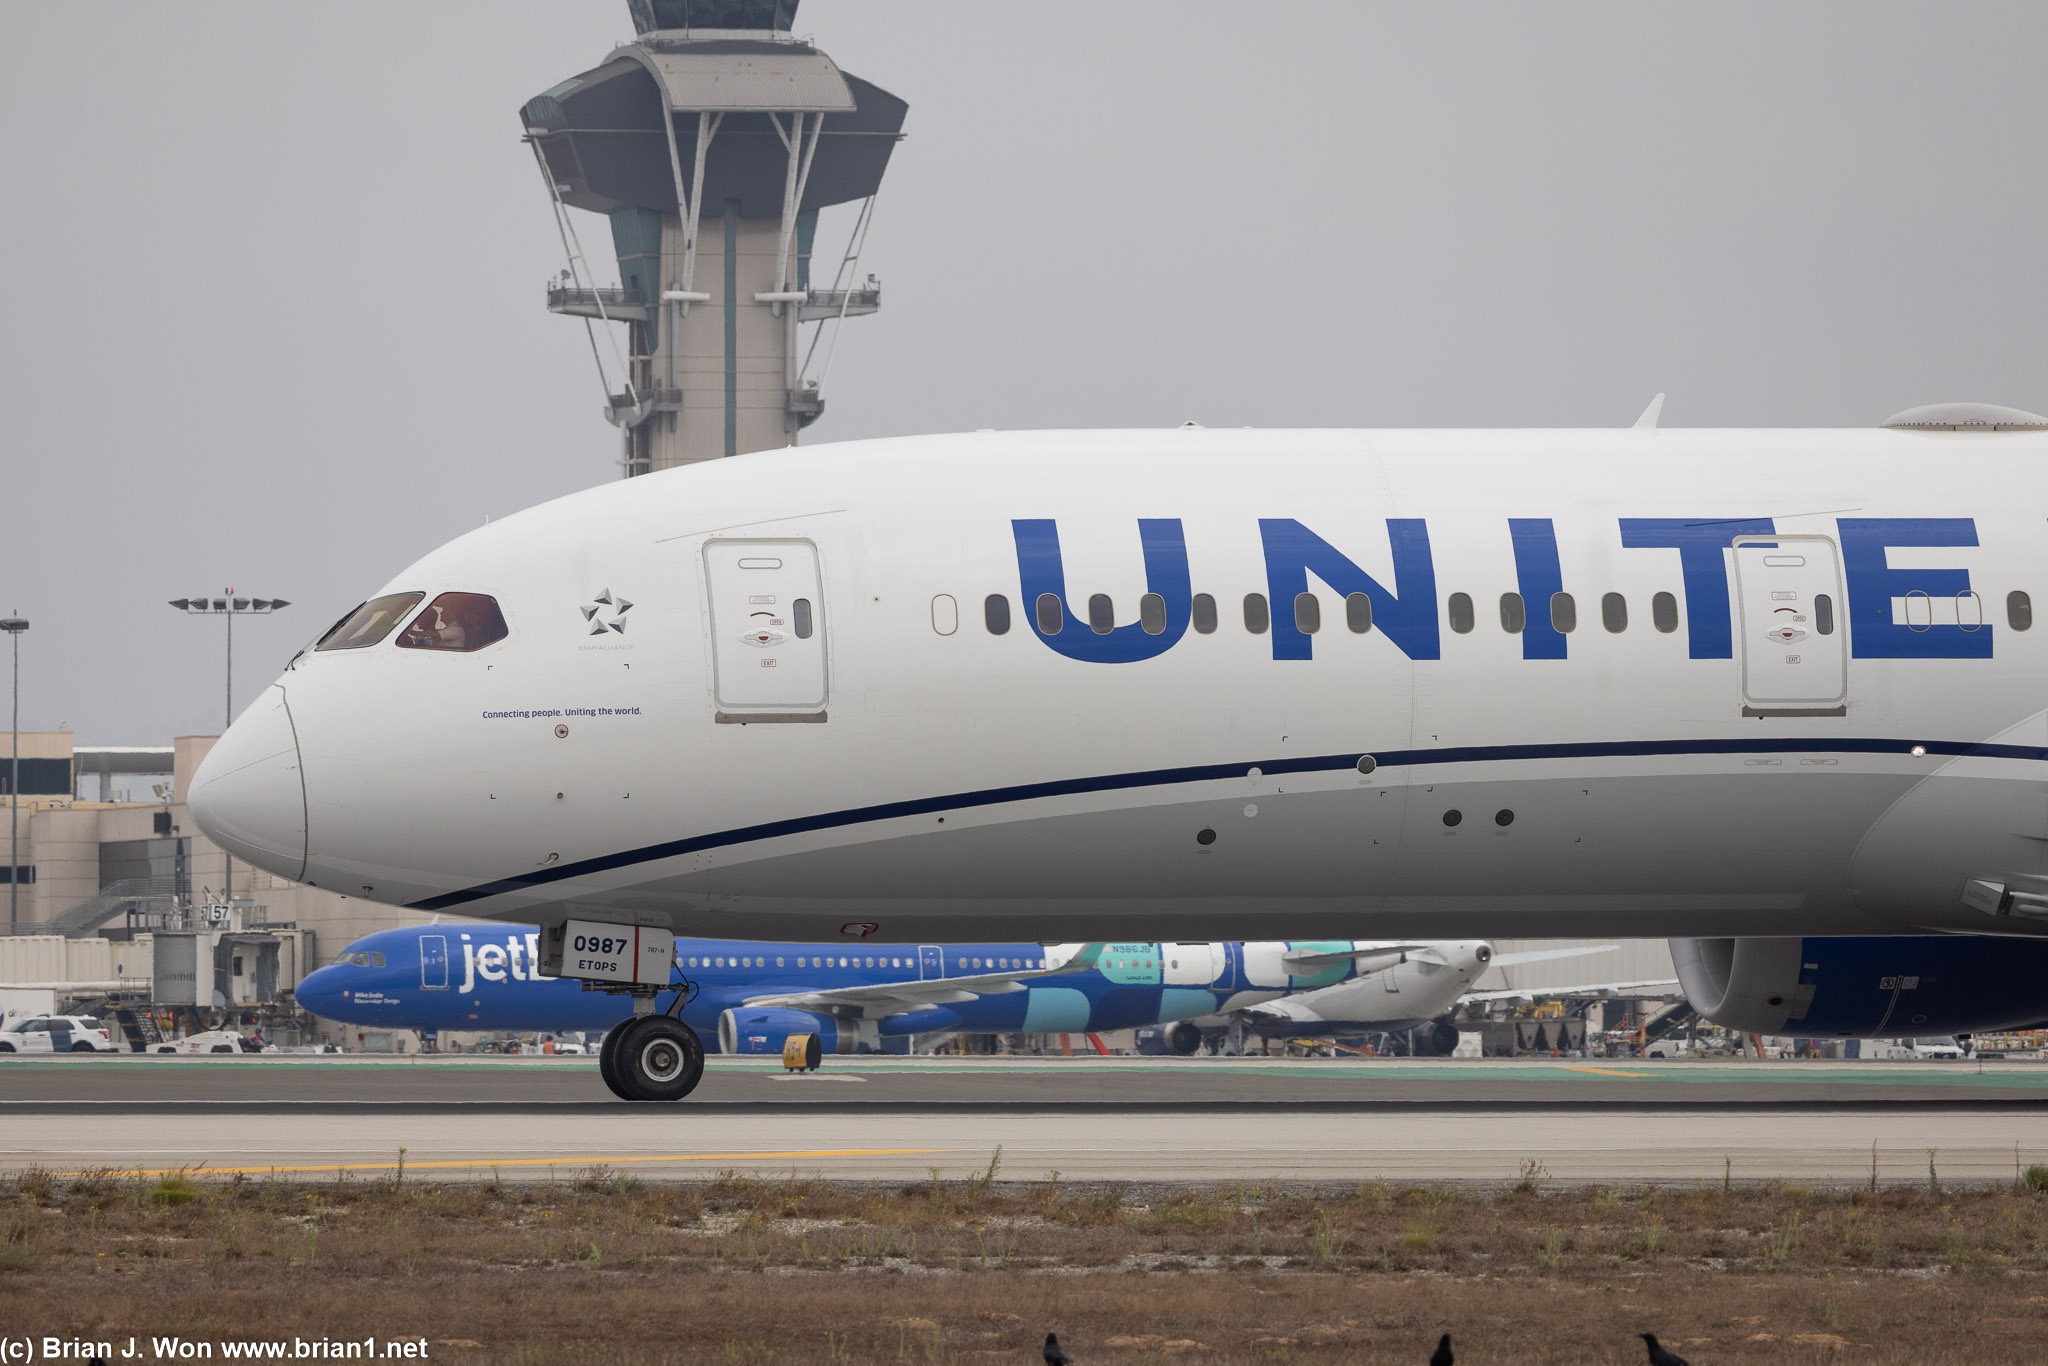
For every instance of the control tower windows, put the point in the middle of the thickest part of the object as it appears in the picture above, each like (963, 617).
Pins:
(459, 622)
(370, 623)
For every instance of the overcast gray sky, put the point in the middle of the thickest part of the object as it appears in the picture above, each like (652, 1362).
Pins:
(273, 312)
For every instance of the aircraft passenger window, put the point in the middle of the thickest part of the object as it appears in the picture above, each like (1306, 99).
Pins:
(2019, 610)
(1205, 614)
(995, 614)
(1969, 610)
(1358, 613)
(800, 610)
(1101, 616)
(1664, 613)
(1513, 615)
(1919, 611)
(456, 621)
(1308, 614)
(1564, 613)
(1461, 612)
(1152, 614)
(1614, 612)
(370, 623)
(1255, 618)
(1050, 618)
(778, 960)
(1824, 614)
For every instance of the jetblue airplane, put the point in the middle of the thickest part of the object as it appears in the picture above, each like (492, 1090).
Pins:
(753, 996)
(1752, 689)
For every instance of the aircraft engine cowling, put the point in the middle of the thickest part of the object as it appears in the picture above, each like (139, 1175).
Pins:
(764, 1029)
(1865, 987)
(1437, 1039)
(1183, 1039)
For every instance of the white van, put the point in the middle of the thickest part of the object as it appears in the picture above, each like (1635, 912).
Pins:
(1939, 1048)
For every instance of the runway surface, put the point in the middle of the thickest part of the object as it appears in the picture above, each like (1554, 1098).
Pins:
(1089, 1119)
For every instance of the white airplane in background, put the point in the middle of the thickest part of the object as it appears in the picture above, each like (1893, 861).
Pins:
(1750, 688)
(1420, 997)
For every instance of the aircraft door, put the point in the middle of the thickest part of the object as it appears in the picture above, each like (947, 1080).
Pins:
(929, 965)
(1192, 965)
(434, 962)
(767, 630)
(1789, 618)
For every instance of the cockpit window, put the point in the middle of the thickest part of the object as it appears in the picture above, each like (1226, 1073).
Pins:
(455, 621)
(370, 623)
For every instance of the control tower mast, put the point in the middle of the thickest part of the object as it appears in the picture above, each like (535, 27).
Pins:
(710, 143)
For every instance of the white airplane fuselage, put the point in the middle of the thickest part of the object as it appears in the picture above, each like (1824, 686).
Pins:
(1739, 758)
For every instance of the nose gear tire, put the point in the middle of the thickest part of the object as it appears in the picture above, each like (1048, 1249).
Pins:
(607, 1059)
(659, 1059)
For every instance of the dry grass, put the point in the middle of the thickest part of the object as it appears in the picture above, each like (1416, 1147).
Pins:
(598, 1265)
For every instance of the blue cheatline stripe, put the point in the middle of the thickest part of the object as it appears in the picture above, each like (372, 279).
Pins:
(1206, 773)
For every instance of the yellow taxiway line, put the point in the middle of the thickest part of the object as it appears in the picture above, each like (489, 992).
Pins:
(1610, 1072)
(202, 1169)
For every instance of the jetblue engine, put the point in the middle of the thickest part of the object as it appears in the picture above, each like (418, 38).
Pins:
(748, 1029)
(1865, 987)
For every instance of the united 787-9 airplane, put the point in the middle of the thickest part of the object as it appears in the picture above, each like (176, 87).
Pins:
(1748, 689)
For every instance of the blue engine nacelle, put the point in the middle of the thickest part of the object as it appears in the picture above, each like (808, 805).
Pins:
(764, 1029)
(1866, 987)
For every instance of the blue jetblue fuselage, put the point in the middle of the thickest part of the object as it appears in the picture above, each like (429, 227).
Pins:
(480, 977)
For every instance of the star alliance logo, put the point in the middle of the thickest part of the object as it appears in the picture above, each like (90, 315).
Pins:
(593, 613)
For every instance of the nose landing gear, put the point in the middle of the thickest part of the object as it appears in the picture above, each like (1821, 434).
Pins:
(652, 1058)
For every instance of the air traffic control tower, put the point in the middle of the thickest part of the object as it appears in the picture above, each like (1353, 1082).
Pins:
(711, 142)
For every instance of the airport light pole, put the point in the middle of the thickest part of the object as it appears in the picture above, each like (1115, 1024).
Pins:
(14, 626)
(229, 608)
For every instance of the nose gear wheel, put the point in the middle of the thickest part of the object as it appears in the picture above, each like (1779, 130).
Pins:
(652, 1058)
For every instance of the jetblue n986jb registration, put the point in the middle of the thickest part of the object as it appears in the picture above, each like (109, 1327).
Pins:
(1100, 685)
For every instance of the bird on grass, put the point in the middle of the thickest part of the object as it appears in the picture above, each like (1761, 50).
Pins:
(1055, 1355)
(1660, 1356)
(1442, 1355)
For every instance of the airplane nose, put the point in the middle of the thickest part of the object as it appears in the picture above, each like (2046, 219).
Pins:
(249, 795)
(319, 991)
